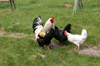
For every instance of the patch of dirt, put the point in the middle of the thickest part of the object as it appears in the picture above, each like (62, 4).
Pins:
(16, 35)
(68, 5)
(54, 44)
(96, 12)
(33, 38)
(13, 35)
(1, 32)
(91, 51)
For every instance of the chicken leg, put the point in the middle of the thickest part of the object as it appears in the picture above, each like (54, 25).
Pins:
(48, 47)
(78, 48)
(41, 47)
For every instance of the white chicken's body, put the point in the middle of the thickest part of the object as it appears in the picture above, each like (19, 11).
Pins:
(77, 39)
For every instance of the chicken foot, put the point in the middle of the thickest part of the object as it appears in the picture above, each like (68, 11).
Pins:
(77, 48)
(61, 44)
(41, 47)
(48, 47)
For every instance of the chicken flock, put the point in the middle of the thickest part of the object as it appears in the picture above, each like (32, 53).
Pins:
(44, 34)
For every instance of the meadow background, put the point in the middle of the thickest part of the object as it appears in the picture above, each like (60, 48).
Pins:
(26, 52)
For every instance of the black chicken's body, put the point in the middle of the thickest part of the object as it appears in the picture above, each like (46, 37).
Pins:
(59, 34)
(46, 40)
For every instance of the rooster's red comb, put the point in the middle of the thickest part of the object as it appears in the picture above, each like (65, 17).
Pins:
(52, 17)
(65, 31)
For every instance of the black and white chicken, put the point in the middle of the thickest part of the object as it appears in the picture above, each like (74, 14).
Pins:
(44, 34)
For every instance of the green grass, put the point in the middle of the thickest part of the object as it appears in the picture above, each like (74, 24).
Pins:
(25, 51)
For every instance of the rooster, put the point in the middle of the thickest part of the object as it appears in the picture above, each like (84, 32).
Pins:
(38, 26)
(59, 34)
(43, 32)
(76, 39)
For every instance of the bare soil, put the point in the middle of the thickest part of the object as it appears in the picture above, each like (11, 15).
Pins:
(1, 32)
(68, 5)
(87, 50)
(91, 51)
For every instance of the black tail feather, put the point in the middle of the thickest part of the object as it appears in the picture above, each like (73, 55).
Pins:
(68, 28)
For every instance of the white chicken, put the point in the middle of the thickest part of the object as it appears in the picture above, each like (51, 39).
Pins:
(76, 39)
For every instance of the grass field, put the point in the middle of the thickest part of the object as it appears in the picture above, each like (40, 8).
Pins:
(26, 52)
